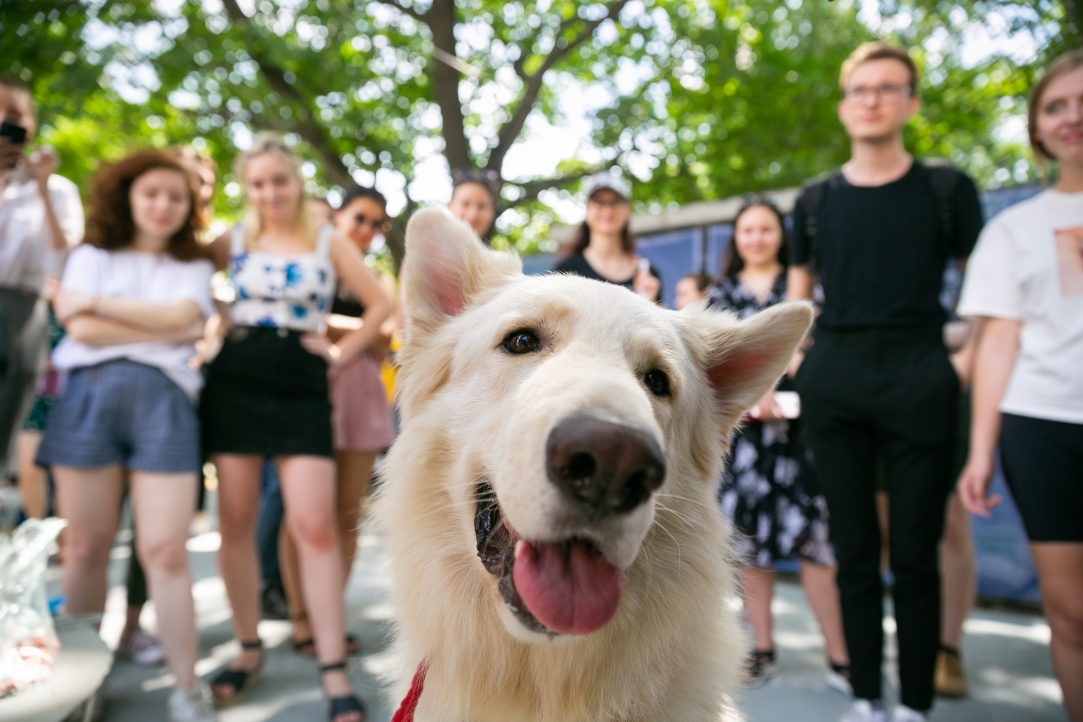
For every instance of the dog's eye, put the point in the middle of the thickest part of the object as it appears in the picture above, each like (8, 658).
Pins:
(521, 341)
(657, 382)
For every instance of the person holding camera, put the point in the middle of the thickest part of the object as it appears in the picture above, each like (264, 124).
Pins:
(40, 218)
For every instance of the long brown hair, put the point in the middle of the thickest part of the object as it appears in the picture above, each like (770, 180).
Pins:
(109, 224)
(1065, 63)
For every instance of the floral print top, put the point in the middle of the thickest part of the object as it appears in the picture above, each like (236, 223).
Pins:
(292, 292)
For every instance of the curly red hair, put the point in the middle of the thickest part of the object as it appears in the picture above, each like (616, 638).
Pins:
(109, 224)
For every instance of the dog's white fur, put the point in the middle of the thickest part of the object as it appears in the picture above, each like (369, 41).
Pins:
(471, 411)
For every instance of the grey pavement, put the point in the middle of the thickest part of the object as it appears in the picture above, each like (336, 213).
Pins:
(1007, 657)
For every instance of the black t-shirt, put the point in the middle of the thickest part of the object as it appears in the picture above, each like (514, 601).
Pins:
(579, 265)
(879, 250)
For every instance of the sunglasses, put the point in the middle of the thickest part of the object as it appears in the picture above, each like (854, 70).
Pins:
(377, 225)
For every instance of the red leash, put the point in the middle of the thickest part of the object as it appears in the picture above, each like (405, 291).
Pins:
(409, 704)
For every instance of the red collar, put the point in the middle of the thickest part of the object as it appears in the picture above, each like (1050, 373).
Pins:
(409, 704)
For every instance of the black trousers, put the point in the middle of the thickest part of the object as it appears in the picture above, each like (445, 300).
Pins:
(26, 325)
(888, 393)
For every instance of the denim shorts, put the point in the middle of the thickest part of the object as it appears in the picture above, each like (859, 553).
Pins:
(122, 412)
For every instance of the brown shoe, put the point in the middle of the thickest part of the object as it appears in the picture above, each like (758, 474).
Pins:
(950, 676)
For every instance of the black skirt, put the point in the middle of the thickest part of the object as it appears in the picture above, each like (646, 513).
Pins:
(265, 394)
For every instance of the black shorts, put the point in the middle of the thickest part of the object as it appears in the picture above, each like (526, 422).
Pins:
(1043, 465)
(266, 395)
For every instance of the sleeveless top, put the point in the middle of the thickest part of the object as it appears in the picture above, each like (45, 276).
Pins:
(292, 292)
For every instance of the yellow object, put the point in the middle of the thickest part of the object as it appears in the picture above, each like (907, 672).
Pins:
(388, 369)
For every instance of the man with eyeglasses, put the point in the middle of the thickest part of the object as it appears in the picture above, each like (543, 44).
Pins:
(877, 382)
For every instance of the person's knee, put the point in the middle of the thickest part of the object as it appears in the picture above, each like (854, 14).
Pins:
(236, 527)
(1066, 621)
(316, 531)
(168, 557)
(87, 551)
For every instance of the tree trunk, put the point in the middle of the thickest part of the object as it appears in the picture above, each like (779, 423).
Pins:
(445, 80)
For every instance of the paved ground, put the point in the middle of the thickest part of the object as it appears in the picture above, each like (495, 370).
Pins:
(1007, 656)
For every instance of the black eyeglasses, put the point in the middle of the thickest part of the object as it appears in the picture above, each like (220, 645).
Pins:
(889, 92)
(376, 225)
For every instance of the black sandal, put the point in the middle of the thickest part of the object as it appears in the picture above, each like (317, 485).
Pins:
(761, 667)
(239, 679)
(341, 705)
(307, 646)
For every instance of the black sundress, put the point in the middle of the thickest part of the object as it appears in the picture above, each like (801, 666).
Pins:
(768, 490)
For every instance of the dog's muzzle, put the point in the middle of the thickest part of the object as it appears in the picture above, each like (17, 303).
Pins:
(568, 586)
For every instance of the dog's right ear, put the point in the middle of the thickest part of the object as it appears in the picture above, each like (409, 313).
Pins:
(446, 266)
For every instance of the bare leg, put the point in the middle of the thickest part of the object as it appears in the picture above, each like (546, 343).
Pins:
(32, 482)
(354, 473)
(1060, 576)
(90, 500)
(238, 507)
(308, 492)
(163, 505)
(291, 583)
(958, 572)
(823, 596)
(759, 588)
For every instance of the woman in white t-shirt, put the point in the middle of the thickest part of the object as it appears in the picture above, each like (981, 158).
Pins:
(1025, 279)
(134, 298)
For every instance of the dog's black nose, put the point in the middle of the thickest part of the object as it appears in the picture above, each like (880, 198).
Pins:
(604, 467)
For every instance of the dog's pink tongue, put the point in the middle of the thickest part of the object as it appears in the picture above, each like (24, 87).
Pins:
(570, 591)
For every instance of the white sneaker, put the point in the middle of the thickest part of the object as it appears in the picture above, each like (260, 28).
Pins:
(903, 713)
(142, 649)
(195, 704)
(838, 682)
(862, 710)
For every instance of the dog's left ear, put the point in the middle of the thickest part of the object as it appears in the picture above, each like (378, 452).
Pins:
(745, 359)
(446, 266)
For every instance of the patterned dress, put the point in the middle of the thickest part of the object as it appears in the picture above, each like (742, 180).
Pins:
(768, 490)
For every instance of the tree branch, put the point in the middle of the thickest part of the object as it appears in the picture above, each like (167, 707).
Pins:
(445, 84)
(531, 189)
(510, 131)
(419, 16)
(312, 132)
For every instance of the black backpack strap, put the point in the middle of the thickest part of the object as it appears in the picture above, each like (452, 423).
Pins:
(944, 178)
(812, 198)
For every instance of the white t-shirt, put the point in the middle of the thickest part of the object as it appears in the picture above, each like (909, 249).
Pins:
(25, 254)
(1028, 266)
(151, 277)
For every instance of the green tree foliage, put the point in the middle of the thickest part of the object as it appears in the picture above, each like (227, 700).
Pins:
(360, 87)
(747, 99)
(700, 98)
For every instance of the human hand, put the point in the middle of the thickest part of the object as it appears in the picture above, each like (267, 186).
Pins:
(767, 409)
(319, 345)
(974, 486)
(68, 304)
(646, 285)
(40, 164)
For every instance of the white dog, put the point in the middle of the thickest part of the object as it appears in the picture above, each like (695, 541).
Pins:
(556, 548)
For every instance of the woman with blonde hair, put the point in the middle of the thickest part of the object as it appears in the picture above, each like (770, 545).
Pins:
(267, 395)
(1025, 279)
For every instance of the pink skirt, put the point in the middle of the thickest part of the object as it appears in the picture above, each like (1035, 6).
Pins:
(360, 418)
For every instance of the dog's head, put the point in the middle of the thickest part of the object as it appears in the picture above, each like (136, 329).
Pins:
(562, 409)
